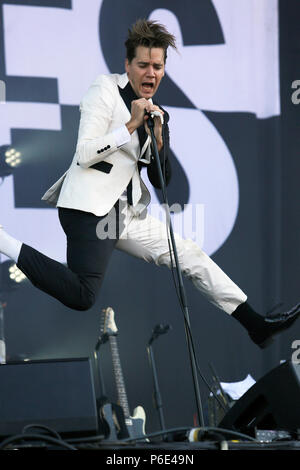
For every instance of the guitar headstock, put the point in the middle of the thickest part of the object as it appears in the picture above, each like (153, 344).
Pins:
(108, 325)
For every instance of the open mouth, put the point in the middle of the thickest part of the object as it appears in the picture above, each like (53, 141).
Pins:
(147, 86)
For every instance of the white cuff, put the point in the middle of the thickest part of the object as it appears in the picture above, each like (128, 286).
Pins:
(122, 136)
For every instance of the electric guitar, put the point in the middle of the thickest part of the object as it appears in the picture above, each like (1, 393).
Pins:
(111, 416)
(135, 424)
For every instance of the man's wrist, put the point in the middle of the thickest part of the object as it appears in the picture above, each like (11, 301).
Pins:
(131, 126)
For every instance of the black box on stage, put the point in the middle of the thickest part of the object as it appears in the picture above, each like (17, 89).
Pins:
(56, 393)
(272, 403)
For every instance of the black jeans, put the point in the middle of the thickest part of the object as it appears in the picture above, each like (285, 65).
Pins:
(77, 284)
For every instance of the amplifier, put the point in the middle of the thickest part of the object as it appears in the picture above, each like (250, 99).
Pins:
(55, 393)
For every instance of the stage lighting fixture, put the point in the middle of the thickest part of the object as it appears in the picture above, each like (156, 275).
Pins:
(10, 158)
(11, 276)
(15, 274)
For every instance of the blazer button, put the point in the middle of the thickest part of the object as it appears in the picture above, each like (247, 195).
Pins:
(98, 151)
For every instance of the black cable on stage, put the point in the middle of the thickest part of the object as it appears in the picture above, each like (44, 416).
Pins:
(35, 437)
(185, 430)
(43, 427)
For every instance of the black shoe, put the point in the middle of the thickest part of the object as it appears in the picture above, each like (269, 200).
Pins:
(275, 324)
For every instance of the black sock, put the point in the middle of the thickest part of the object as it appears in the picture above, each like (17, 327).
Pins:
(250, 319)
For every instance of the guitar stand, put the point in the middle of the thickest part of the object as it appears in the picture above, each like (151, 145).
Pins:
(150, 123)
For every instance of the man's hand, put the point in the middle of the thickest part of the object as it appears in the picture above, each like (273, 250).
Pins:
(138, 117)
(157, 127)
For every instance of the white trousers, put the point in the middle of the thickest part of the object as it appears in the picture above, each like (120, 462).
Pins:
(146, 238)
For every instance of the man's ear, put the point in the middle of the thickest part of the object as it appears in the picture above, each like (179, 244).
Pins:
(126, 65)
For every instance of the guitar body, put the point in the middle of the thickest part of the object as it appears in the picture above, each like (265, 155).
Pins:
(136, 424)
(112, 418)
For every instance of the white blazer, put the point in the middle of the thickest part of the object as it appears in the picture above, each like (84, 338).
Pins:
(100, 170)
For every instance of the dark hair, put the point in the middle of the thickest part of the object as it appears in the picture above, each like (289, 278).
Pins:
(148, 34)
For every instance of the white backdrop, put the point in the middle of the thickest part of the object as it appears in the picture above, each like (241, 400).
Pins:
(241, 75)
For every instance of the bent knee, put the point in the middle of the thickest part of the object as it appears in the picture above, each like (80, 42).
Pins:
(86, 301)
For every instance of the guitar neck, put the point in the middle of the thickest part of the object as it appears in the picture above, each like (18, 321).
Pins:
(120, 384)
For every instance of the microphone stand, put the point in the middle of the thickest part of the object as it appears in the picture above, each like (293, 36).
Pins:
(157, 395)
(101, 385)
(2, 306)
(150, 123)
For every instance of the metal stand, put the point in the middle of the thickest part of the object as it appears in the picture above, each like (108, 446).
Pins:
(158, 330)
(101, 385)
(184, 306)
(2, 334)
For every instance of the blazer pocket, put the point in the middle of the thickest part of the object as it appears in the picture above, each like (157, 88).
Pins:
(102, 166)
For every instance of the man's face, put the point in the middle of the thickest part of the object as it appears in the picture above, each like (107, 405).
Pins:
(146, 70)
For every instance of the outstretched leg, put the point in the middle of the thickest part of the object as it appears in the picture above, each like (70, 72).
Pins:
(77, 284)
(146, 238)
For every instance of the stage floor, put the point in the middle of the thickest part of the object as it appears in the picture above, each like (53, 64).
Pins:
(138, 454)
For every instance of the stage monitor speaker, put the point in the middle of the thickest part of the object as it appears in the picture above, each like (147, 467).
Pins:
(55, 393)
(270, 404)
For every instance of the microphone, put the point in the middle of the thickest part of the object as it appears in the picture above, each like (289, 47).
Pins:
(159, 330)
(152, 114)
